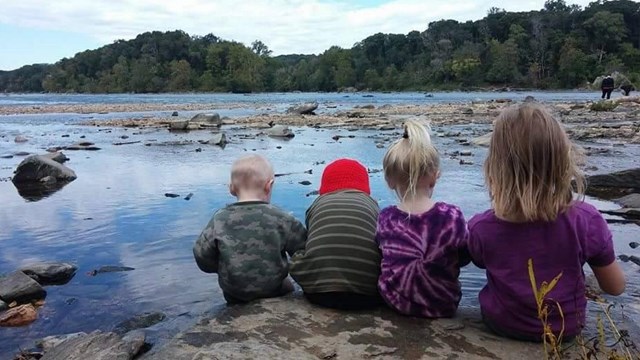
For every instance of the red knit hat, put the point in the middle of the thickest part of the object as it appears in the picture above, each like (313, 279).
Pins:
(344, 174)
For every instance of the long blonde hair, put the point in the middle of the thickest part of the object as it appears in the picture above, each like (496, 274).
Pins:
(531, 165)
(409, 159)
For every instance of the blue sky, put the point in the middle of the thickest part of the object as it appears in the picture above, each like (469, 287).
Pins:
(38, 31)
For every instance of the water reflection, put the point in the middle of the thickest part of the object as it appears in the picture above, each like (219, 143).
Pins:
(35, 191)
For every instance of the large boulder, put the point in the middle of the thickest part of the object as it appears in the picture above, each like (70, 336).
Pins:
(629, 201)
(292, 328)
(614, 185)
(20, 288)
(210, 119)
(97, 346)
(279, 131)
(35, 167)
(303, 109)
(219, 139)
(50, 273)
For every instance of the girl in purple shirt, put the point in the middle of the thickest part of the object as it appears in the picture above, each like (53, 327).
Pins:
(529, 173)
(421, 240)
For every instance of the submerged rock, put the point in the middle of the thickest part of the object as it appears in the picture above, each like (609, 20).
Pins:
(140, 322)
(50, 273)
(109, 269)
(292, 328)
(20, 139)
(19, 316)
(36, 167)
(96, 346)
(303, 109)
(20, 288)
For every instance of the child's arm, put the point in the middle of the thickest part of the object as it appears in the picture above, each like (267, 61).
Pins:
(610, 278)
(601, 257)
(474, 247)
(206, 251)
(297, 238)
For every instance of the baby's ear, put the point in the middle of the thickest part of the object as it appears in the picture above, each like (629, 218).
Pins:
(232, 190)
(269, 186)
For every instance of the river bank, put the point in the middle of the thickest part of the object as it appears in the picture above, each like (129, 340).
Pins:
(116, 213)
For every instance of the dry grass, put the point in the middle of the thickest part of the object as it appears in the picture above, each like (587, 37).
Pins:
(610, 343)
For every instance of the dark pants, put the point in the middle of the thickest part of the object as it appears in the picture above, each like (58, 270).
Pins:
(286, 288)
(607, 93)
(344, 300)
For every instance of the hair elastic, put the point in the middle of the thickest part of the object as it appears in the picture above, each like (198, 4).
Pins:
(406, 133)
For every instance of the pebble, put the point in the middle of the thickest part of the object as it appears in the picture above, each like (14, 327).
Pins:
(634, 245)
(465, 162)
(188, 197)
(305, 182)
(170, 195)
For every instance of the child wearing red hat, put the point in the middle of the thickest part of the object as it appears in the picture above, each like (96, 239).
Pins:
(340, 265)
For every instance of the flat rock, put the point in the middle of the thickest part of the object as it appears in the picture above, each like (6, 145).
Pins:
(303, 109)
(18, 316)
(292, 328)
(96, 346)
(50, 273)
(614, 185)
(20, 288)
(279, 131)
(629, 201)
(3, 306)
(35, 167)
(50, 342)
(483, 140)
(20, 139)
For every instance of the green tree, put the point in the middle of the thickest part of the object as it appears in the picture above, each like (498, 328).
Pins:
(572, 65)
(503, 68)
(180, 75)
(606, 30)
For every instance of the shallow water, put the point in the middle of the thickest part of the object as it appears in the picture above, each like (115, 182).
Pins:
(116, 213)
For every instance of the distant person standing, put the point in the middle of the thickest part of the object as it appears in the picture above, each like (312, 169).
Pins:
(607, 86)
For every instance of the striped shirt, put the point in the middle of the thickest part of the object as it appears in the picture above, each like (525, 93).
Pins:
(341, 254)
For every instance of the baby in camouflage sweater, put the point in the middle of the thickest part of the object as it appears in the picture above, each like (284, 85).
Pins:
(246, 242)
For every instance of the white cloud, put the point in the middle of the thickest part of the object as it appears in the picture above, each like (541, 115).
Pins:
(286, 26)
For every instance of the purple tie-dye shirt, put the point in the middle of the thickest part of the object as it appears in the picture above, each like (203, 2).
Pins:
(421, 259)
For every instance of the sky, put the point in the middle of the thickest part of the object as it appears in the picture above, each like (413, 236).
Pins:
(44, 31)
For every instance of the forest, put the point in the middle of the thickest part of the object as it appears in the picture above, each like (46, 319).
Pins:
(560, 46)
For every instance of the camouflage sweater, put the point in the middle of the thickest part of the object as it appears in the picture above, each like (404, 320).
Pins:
(245, 243)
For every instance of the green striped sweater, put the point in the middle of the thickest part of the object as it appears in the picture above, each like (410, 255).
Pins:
(341, 254)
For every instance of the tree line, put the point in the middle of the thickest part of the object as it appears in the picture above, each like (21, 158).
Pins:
(559, 46)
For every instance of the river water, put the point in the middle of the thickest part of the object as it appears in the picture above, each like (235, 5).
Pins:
(116, 213)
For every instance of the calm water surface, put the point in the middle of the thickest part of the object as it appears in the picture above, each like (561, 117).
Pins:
(116, 213)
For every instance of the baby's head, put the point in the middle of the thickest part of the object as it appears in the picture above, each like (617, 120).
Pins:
(251, 178)
(344, 174)
(412, 164)
(531, 165)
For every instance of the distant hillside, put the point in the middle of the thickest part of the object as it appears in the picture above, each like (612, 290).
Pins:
(559, 46)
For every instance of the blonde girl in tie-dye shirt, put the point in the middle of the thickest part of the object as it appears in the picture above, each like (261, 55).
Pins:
(423, 242)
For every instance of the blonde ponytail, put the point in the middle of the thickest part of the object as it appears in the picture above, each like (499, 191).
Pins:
(410, 159)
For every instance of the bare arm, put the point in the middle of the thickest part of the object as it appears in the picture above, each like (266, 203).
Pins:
(610, 278)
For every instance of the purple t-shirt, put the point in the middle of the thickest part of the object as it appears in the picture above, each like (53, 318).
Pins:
(421, 259)
(578, 236)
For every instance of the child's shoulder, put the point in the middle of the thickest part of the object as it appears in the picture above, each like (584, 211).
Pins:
(486, 217)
